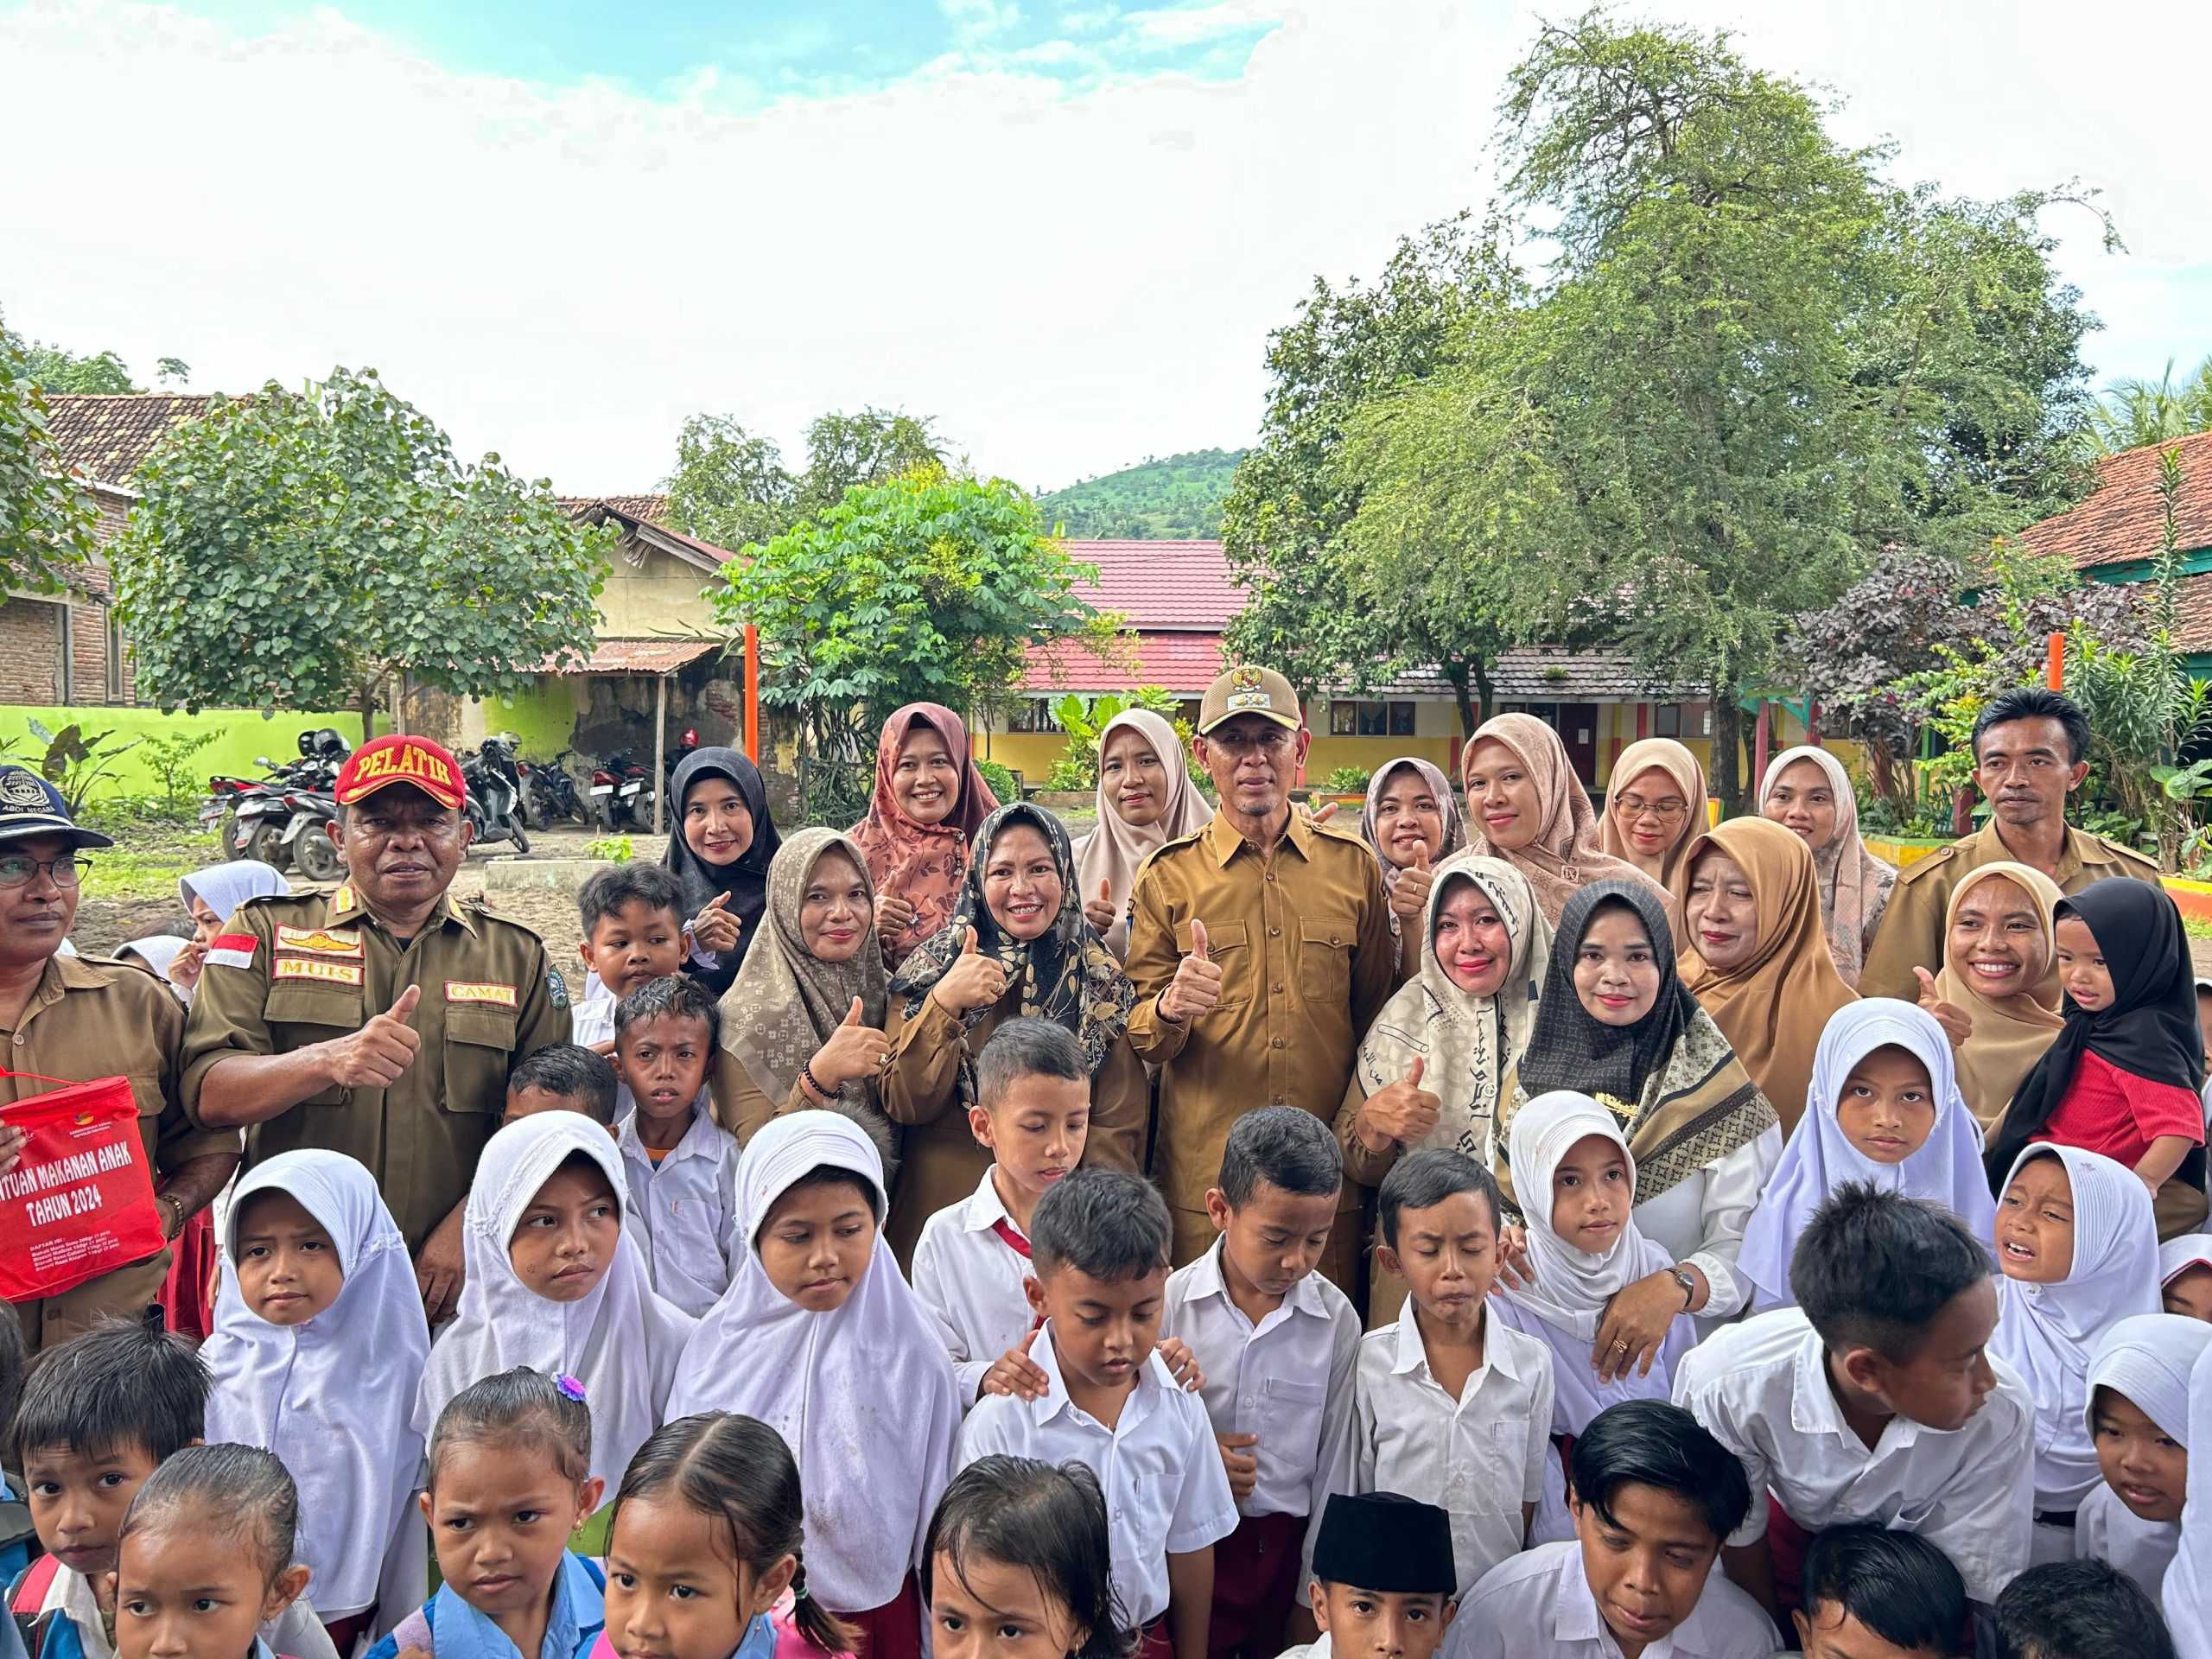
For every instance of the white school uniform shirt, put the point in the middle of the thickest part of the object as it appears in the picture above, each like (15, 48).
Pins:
(1761, 1388)
(970, 1279)
(1166, 1493)
(297, 1631)
(2106, 1529)
(683, 1211)
(592, 1019)
(1290, 1380)
(1539, 1602)
(1479, 1458)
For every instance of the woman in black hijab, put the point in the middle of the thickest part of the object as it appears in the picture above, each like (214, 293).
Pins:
(719, 847)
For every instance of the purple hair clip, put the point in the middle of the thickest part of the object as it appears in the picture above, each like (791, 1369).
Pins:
(570, 1387)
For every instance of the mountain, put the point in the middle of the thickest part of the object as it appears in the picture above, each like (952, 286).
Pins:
(1178, 500)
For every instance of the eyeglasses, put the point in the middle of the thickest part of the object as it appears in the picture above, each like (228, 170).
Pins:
(1633, 806)
(18, 870)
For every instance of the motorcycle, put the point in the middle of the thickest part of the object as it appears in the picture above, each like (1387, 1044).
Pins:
(250, 813)
(307, 840)
(548, 792)
(622, 794)
(495, 793)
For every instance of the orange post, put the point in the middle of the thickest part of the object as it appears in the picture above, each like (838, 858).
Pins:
(752, 692)
(2054, 672)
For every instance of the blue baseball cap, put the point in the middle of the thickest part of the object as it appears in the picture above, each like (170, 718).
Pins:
(31, 806)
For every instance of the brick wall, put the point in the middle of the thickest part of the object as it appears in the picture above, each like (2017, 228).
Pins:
(30, 652)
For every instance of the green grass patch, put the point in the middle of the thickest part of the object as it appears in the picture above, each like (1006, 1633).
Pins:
(2196, 927)
(119, 872)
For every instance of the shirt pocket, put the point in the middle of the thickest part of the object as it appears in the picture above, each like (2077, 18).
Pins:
(298, 1015)
(1290, 1430)
(1325, 961)
(478, 1047)
(1228, 947)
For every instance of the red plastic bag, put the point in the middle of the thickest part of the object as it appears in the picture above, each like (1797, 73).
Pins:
(80, 1203)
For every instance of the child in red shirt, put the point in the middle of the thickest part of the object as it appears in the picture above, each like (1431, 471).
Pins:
(2125, 1076)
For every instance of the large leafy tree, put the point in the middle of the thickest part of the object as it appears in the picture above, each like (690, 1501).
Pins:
(730, 487)
(930, 587)
(46, 521)
(301, 549)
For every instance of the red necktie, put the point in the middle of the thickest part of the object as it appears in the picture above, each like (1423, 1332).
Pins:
(1014, 1241)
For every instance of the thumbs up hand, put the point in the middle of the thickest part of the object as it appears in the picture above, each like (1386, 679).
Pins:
(1325, 813)
(374, 1056)
(1099, 911)
(893, 915)
(854, 1052)
(1402, 1111)
(715, 928)
(974, 981)
(1409, 893)
(1196, 988)
(1957, 1023)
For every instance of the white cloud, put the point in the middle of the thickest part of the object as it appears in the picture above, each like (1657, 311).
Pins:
(1067, 283)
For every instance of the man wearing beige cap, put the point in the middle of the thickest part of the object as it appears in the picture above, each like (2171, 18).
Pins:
(1260, 948)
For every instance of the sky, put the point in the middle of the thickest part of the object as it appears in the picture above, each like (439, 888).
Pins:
(1061, 228)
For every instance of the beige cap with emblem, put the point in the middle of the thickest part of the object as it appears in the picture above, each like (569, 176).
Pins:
(1249, 690)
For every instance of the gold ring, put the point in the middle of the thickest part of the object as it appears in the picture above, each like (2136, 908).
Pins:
(1619, 1343)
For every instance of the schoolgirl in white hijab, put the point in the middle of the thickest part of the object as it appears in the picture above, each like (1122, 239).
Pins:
(861, 1393)
(331, 1397)
(2147, 1359)
(620, 1340)
(2045, 1331)
(1946, 1168)
(1564, 1299)
(2187, 1596)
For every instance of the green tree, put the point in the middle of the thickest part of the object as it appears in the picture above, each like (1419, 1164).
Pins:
(46, 521)
(730, 487)
(59, 369)
(2133, 413)
(931, 586)
(300, 550)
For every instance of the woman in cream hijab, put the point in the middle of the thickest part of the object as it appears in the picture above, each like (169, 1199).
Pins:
(1807, 792)
(1146, 799)
(1526, 806)
(1996, 999)
(1654, 805)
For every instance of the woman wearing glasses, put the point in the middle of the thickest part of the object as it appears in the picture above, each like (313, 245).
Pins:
(1654, 803)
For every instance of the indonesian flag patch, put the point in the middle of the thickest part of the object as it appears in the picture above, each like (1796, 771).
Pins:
(234, 950)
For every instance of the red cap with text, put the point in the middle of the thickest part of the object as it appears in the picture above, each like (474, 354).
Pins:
(414, 761)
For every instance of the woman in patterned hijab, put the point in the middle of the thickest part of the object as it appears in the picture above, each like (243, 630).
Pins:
(1017, 946)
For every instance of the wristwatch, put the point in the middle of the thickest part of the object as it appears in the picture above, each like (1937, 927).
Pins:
(1683, 1276)
(175, 1209)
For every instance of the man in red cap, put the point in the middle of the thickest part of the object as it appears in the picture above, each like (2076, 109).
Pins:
(380, 1020)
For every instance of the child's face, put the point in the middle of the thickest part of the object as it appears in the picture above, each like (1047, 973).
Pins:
(78, 1502)
(2083, 974)
(565, 1241)
(186, 1592)
(1830, 1631)
(1103, 1330)
(501, 1516)
(674, 1589)
(1887, 1108)
(1273, 1239)
(1647, 1562)
(529, 1100)
(1591, 1195)
(1447, 1254)
(287, 1265)
(665, 1063)
(1379, 1624)
(2034, 1223)
(1036, 1131)
(2189, 1293)
(2146, 1468)
(634, 945)
(982, 1609)
(1945, 1381)
(817, 1243)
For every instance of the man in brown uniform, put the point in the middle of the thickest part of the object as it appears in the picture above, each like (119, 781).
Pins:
(380, 1020)
(68, 1017)
(1260, 948)
(2028, 744)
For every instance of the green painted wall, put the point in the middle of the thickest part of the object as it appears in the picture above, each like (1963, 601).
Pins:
(241, 734)
(541, 718)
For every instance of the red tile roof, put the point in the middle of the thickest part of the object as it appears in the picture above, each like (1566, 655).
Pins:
(106, 436)
(1161, 585)
(2123, 519)
(1186, 663)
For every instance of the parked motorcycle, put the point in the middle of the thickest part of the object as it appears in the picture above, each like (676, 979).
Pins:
(548, 792)
(495, 800)
(622, 794)
(307, 840)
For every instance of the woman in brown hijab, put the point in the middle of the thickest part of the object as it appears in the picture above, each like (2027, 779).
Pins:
(1995, 998)
(1755, 954)
(1654, 806)
(1526, 806)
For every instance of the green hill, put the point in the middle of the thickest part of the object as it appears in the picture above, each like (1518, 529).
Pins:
(1178, 500)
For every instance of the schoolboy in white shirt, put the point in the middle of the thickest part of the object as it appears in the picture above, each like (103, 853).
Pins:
(1652, 1495)
(1383, 1579)
(1452, 1407)
(1032, 1110)
(1279, 1346)
(1871, 1593)
(632, 917)
(1098, 1243)
(1873, 1400)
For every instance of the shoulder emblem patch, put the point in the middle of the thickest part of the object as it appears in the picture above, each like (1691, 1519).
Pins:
(556, 988)
(468, 991)
(330, 973)
(234, 950)
(324, 941)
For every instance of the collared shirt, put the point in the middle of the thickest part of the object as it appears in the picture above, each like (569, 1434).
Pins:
(1762, 1388)
(81, 1632)
(682, 1210)
(971, 1279)
(292, 971)
(1911, 932)
(1541, 1602)
(1303, 940)
(1166, 1493)
(1479, 1457)
(1288, 1380)
(592, 1021)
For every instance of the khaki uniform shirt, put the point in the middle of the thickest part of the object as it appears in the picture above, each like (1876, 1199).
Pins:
(1303, 941)
(295, 971)
(1911, 931)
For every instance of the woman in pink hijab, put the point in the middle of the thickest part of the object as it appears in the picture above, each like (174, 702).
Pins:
(929, 799)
